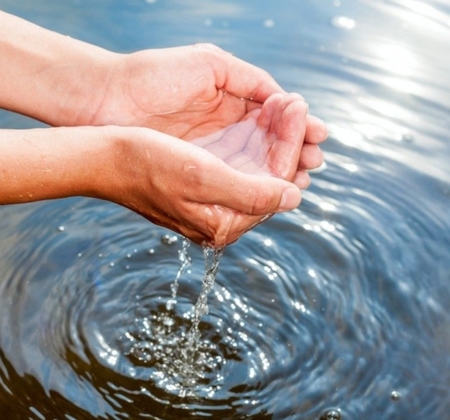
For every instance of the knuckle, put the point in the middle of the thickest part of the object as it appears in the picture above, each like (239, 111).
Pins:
(261, 203)
(208, 48)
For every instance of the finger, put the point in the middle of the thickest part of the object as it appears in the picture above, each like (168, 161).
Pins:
(282, 104)
(289, 127)
(268, 110)
(311, 157)
(316, 130)
(246, 193)
(302, 180)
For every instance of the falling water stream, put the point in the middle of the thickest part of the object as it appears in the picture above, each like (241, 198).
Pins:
(178, 353)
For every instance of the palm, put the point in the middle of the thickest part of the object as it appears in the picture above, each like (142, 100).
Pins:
(192, 92)
(263, 142)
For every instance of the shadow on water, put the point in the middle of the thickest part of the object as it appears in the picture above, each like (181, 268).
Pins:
(338, 309)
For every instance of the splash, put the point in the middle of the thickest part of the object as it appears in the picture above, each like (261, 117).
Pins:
(172, 345)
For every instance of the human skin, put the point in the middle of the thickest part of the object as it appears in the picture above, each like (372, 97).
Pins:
(139, 106)
(186, 92)
(173, 183)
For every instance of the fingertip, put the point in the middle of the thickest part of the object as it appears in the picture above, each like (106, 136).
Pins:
(316, 130)
(311, 157)
(302, 180)
(290, 199)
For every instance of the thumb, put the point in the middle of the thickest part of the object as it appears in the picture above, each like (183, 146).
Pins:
(255, 194)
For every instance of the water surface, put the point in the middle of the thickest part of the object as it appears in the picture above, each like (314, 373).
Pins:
(341, 305)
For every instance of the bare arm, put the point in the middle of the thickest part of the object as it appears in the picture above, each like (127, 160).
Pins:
(187, 92)
(49, 76)
(52, 163)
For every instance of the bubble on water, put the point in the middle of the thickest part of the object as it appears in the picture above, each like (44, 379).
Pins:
(269, 23)
(331, 414)
(395, 396)
(169, 239)
(343, 22)
(142, 351)
(61, 228)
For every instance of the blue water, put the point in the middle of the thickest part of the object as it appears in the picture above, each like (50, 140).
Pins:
(341, 305)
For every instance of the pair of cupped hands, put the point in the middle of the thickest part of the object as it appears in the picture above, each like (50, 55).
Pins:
(247, 143)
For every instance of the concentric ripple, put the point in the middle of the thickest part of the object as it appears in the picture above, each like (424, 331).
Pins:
(310, 307)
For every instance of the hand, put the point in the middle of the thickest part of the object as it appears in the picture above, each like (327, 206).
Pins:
(216, 194)
(170, 182)
(268, 141)
(190, 191)
(186, 92)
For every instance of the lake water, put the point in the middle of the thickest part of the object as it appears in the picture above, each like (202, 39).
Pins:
(339, 309)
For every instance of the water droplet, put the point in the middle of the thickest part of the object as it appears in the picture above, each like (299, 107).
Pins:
(343, 22)
(331, 414)
(61, 228)
(168, 321)
(395, 396)
(169, 239)
(170, 304)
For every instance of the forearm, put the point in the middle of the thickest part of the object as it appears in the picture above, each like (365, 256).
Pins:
(54, 163)
(49, 76)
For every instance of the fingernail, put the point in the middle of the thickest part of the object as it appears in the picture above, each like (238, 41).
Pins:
(290, 199)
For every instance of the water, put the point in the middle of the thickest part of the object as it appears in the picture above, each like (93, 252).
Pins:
(339, 308)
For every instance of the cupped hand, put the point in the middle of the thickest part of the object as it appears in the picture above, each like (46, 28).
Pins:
(269, 141)
(187, 189)
(215, 188)
(186, 92)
